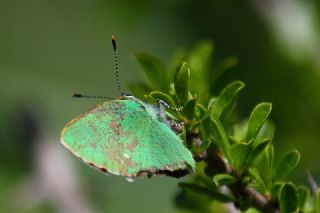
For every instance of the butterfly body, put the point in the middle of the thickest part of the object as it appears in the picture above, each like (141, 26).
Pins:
(126, 137)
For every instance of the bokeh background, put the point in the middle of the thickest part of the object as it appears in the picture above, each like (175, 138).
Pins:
(49, 49)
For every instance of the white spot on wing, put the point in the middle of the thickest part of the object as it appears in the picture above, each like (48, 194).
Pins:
(129, 179)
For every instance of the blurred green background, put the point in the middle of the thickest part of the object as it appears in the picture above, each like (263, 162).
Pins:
(49, 49)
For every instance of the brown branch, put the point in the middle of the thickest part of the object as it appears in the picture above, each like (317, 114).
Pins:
(259, 201)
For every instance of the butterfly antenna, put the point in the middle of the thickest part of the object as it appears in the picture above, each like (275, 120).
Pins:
(116, 56)
(77, 95)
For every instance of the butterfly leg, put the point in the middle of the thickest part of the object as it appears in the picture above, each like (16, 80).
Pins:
(166, 105)
(175, 124)
(161, 114)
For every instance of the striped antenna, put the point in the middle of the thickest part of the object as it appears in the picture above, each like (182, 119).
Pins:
(116, 55)
(77, 95)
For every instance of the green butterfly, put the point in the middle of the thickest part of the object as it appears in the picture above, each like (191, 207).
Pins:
(127, 137)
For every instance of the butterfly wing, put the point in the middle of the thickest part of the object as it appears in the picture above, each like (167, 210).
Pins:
(122, 138)
(159, 148)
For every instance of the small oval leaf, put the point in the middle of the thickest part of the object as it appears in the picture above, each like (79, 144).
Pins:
(303, 194)
(257, 150)
(155, 70)
(200, 60)
(267, 131)
(224, 179)
(257, 118)
(181, 83)
(275, 190)
(201, 57)
(189, 109)
(226, 98)
(224, 66)
(288, 198)
(287, 163)
(259, 182)
(206, 128)
(220, 137)
(270, 156)
(239, 131)
(239, 153)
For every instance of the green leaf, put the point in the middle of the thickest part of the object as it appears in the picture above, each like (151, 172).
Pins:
(224, 179)
(201, 56)
(259, 181)
(211, 102)
(225, 65)
(181, 83)
(288, 198)
(257, 118)
(239, 131)
(257, 150)
(318, 201)
(220, 137)
(303, 194)
(269, 154)
(201, 111)
(226, 98)
(176, 58)
(239, 153)
(287, 163)
(200, 64)
(156, 95)
(155, 70)
(275, 190)
(206, 133)
(189, 109)
(207, 191)
(267, 131)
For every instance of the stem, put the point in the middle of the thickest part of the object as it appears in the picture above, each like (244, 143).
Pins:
(259, 201)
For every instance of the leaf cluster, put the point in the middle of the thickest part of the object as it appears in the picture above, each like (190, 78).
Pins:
(236, 164)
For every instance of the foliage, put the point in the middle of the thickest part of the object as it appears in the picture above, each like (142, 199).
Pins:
(235, 157)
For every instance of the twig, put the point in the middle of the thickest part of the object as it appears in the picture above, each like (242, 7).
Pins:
(259, 201)
(313, 184)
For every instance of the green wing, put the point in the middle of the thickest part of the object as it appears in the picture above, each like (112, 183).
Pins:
(121, 137)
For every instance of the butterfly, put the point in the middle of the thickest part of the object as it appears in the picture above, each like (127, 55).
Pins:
(127, 137)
